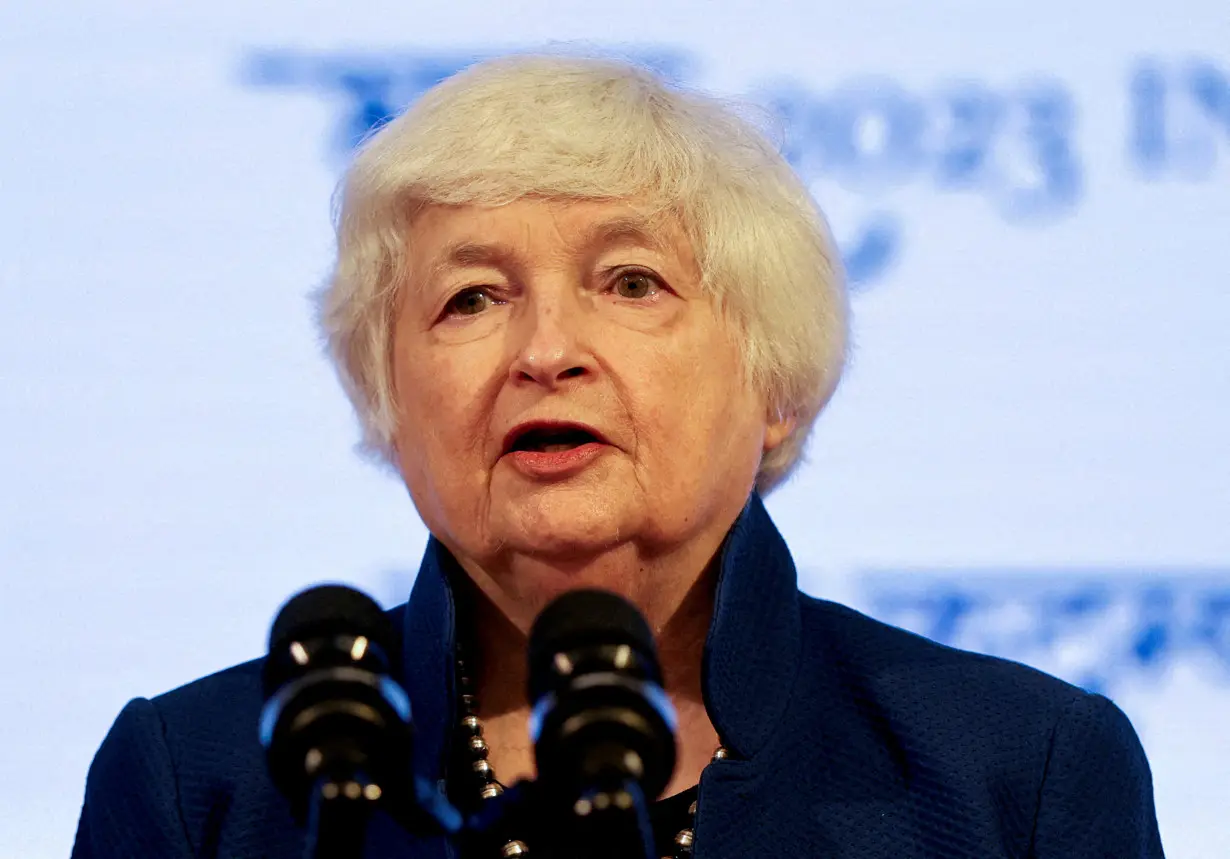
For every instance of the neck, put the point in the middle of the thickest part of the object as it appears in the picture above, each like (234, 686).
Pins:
(680, 621)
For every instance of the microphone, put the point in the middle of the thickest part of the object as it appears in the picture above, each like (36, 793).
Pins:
(336, 726)
(602, 726)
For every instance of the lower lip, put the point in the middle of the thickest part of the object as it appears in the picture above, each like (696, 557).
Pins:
(558, 463)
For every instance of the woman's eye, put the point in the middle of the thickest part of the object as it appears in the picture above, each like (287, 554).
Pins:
(468, 302)
(634, 284)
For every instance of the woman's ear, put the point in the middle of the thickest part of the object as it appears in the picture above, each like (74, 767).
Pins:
(779, 426)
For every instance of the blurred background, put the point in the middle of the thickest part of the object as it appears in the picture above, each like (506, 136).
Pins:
(1028, 456)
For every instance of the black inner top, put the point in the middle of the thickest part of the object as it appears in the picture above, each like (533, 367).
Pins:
(668, 816)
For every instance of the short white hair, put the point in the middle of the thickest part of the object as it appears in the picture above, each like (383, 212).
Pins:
(566, 127)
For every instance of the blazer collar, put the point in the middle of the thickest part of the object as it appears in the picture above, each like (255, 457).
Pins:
(750, 662)
(751, 656)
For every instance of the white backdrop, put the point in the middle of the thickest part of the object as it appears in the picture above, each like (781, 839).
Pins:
(1028, 456)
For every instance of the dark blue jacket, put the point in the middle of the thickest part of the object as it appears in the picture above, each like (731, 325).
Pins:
(850, 738)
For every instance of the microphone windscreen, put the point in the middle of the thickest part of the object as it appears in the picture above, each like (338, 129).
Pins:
(329, 610)
(587, 618)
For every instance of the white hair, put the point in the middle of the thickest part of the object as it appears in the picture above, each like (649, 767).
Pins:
(584, 128)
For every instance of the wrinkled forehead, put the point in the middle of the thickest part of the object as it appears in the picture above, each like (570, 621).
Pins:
(442, 236)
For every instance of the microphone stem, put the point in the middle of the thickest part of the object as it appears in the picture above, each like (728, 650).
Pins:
(620, 828)
(337, 820)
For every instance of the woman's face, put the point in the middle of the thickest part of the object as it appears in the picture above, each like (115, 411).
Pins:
(566, 388)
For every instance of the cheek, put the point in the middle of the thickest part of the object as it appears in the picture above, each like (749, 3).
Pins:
(700, 403)
(442, 410)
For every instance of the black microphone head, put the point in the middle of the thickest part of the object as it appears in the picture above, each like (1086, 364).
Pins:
(583, 619)
(328, 610)
(321, 612)
(600, 718)
(333, 708)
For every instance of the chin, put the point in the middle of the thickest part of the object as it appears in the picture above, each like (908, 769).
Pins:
(564, 524)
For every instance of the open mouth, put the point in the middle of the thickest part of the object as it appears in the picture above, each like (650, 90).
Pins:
(552, 439)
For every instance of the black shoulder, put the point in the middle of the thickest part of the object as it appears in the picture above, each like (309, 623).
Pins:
(211, 731)
(993, 709)
(231, 689)
(1017, 756)
(210, 728)
(930, 719)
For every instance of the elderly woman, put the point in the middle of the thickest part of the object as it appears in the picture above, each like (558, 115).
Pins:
(591, 319)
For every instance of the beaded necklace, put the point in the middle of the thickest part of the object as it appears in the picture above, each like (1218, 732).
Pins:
(489, 787)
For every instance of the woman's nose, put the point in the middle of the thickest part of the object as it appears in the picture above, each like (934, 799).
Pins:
(551, 346)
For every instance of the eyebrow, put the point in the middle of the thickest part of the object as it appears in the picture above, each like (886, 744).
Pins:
(629, 229)
(624, 230)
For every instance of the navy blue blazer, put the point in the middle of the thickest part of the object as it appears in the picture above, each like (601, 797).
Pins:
(849, 738)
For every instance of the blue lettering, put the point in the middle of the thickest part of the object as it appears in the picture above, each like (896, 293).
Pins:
(873, 136)
(1040, 175)
(971, 118)
(1147, 138)
(1176, 119)
(873, 251)
(1095, 632)
(1210, 89)
(1212, 627)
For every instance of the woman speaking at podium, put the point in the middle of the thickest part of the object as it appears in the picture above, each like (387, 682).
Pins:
(590, 319)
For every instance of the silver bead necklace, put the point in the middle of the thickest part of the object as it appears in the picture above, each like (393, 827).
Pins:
(489, 786)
